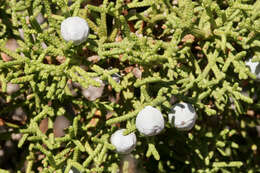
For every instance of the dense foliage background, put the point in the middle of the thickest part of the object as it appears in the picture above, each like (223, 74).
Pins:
(145, 52)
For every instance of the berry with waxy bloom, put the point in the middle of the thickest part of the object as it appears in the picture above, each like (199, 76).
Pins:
(75, 29)
(183, 116)
(254, 68)
(124, 144)
(149, 121)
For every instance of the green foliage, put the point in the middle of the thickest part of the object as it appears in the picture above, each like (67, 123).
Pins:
(192, 50)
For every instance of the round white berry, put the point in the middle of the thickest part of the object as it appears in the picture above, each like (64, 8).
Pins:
(75, 29)
(149, 121)
(124, 144)
(183, 116)
(254, 68)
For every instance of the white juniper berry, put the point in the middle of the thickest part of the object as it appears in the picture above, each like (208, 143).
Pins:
(124, 144)
(183, 116)
(149, 121)
(254, 68)
(75, 29)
